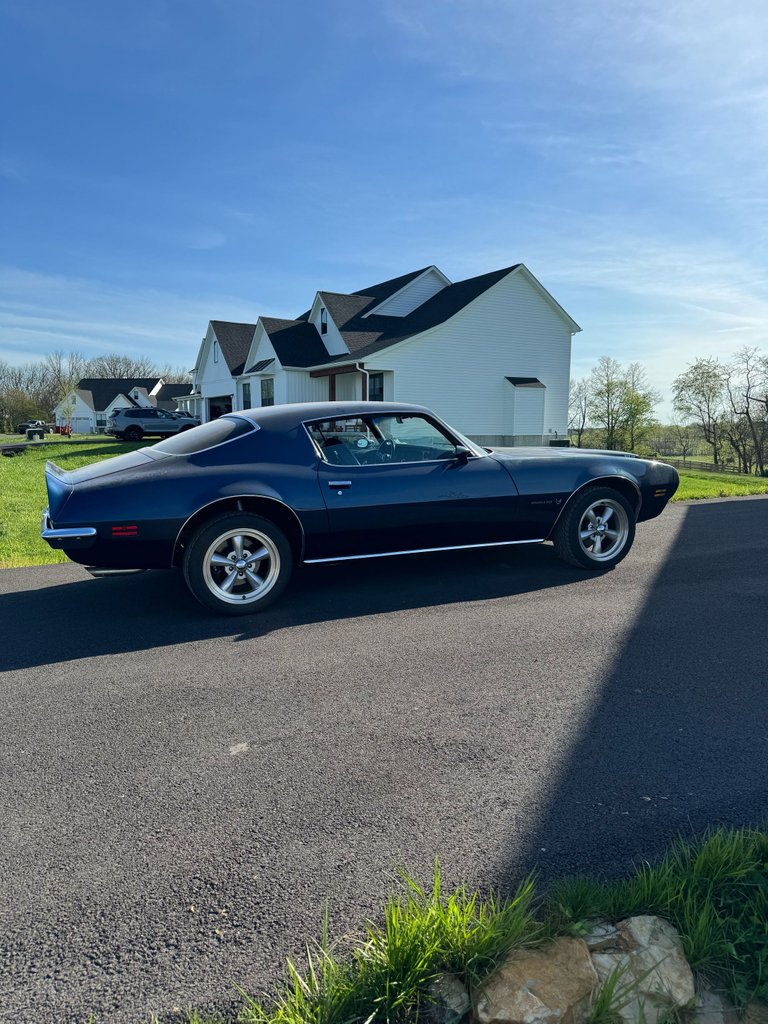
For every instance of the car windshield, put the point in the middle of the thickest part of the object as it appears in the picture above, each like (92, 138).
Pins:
(188, 442)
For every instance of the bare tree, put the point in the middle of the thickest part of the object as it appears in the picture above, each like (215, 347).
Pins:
(119, 366)
(578, 405)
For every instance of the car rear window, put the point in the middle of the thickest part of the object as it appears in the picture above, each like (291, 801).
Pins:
(188, 442)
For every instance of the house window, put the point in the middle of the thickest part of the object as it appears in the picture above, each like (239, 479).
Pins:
(247, 395)
(268, 391)
(376, 387)
(215, 351)
(323, 321)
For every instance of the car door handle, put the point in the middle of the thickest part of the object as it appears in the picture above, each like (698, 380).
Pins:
(338, 485)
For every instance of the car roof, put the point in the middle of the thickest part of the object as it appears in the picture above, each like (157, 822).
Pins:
(285, 417)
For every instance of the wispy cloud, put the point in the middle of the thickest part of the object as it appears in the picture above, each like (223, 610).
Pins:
(43, 312)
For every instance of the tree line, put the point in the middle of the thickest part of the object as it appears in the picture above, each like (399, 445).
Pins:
(721, 408)
(32, 390)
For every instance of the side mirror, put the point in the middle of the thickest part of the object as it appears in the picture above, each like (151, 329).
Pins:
(461, 453)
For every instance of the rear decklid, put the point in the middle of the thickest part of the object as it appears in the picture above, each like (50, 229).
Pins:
(61, 482)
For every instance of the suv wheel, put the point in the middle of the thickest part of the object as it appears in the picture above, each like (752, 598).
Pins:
(133, 434)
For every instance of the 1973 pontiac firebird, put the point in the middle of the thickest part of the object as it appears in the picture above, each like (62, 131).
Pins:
(235, 503)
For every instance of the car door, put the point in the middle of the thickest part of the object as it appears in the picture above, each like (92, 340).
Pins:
(394, 483)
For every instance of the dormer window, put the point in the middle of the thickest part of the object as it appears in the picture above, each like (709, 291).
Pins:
(215, 351)
(323, 320)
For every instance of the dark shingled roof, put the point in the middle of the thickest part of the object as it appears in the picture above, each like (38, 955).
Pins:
(168, 393)
(367, 298)
(366, 335)
(526, 382)
(296, 342)
(261, 365)
(104, 389)
(234, 342)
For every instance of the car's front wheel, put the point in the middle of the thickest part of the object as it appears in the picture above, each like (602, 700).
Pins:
(238, 563)
(133, 434)
(596, 530)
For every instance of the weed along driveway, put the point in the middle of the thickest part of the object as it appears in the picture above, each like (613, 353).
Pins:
(182, 793)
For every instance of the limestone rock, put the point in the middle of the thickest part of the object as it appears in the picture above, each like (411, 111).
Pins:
(552, 985)
(652, 964)
(603, 937)
(449, 1001)
(711, 1008)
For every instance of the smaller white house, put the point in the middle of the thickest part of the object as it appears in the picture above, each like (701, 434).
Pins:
(490, 354)
(87, 408)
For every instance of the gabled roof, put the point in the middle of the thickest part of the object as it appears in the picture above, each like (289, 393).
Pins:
(296, 342)
(234, 341)
(350, 303)
(366, 335)
(104, 389)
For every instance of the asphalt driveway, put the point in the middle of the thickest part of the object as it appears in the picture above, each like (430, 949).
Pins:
(181, 794)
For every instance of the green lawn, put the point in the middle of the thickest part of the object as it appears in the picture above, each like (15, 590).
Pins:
(703, 484)
(23, 497)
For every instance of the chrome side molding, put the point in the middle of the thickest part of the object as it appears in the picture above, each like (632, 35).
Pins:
(423, 551)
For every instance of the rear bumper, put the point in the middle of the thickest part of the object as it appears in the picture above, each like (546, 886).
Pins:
(67, 537)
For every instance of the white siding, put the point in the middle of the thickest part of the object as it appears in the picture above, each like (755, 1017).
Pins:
(83, 418)
(460, 368)
(213, 378)
(528, 416)
(349, 387)
(261, 348)
(412, 295)
(332, 339)
(300, 387)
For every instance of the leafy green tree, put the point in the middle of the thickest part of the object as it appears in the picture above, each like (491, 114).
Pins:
(699, 396)
(608, 400)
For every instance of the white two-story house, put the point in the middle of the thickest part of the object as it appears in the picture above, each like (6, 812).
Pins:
(490, 354)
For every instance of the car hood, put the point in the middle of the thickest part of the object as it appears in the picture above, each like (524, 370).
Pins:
(559, 453)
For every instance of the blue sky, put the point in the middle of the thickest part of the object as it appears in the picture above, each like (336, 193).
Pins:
(166, 163)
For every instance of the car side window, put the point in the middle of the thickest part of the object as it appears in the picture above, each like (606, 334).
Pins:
(379, 440)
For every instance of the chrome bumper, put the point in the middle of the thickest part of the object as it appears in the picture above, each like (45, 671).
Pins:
(67, 537)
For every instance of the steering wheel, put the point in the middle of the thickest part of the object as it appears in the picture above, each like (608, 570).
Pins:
(387, 450)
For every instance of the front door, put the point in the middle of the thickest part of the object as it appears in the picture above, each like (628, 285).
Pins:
(392, 482)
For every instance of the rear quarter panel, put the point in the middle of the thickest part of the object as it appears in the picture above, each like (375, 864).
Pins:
(157, 493)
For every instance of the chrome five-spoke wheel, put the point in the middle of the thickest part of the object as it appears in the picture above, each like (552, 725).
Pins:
(596, 530)
(241, 566)
(603, 529)
(238, 563)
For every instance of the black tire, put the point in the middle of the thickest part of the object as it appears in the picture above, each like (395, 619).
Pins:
(209, 580)
(585, 527)
(133, 434)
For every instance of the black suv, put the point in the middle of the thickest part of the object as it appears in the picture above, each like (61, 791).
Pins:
(133, 424)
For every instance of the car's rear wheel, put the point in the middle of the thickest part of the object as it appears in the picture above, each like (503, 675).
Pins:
(133, 434)
(596, 530)
(238, 563)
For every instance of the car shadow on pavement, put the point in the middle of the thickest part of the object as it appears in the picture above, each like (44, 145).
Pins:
(89, 617)
(676, 740)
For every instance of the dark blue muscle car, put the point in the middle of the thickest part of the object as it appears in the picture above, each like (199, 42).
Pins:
(236, 502)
